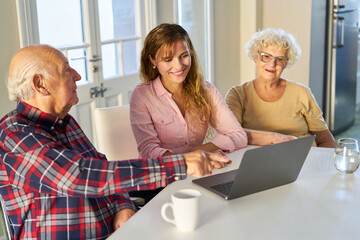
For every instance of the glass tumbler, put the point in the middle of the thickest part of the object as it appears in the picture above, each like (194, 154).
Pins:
(347, 155)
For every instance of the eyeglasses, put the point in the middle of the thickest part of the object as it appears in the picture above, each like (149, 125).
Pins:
(266, 58)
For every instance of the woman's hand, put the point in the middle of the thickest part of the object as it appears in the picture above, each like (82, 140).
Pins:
(262, 138)
(279, 138)
(217, 164)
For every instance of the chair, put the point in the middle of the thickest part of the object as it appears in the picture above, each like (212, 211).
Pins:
(4, 222)
(114, 135)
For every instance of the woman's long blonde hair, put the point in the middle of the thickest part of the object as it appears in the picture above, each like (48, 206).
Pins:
(197, 101)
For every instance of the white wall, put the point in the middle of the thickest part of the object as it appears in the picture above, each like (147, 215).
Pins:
(9, 44)
(295, 17)
(250, 22)
(226, 44)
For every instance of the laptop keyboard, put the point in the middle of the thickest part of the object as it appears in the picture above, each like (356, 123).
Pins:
(223, 187)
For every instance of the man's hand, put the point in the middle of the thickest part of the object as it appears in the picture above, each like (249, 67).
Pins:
(122, 217)
(199, 163)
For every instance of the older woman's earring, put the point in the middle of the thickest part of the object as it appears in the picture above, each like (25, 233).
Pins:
(154, 67)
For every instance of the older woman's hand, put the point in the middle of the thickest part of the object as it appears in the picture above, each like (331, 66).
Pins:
(274, 138)
(262, 138)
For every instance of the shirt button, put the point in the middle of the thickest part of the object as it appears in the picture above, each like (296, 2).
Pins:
(184, 124)
(162, 121)
(176, 178)
(186, 143)
(52, 128)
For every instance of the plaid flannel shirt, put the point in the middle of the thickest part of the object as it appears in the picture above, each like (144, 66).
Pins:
(55, 184)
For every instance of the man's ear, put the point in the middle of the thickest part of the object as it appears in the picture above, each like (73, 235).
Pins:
(38, 85)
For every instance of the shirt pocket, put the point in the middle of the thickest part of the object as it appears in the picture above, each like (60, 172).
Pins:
(162, 119)
(164, 126)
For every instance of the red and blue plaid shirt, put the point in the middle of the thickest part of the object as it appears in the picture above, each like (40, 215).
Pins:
(55, 184)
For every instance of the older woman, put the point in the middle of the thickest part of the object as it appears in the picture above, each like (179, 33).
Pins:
(272, 103)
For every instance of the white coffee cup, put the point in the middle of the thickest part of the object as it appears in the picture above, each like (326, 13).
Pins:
(186, 208)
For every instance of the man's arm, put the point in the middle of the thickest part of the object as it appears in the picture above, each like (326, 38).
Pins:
(39, 164)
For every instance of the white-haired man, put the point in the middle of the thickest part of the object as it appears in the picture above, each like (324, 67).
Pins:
(54, 183)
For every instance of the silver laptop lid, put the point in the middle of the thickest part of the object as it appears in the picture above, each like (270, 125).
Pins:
(263, 168)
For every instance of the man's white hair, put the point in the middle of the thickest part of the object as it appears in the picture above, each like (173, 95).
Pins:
(20, 75)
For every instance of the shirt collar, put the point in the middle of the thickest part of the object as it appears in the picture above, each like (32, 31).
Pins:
(159, 87)
(46, 120)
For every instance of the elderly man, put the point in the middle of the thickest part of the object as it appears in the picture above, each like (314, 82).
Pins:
(54, 183)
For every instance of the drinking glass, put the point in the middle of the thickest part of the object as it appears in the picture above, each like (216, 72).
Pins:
(347, 155)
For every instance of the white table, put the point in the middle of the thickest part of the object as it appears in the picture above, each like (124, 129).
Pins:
(321, 204)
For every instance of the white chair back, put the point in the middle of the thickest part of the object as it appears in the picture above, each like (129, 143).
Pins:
(114, 134)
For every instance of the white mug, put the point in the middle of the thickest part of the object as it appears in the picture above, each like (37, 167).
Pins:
(186, 208)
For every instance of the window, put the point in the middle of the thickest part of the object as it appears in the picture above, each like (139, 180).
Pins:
(196, 18)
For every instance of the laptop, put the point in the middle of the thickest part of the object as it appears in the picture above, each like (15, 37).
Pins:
(261, 169)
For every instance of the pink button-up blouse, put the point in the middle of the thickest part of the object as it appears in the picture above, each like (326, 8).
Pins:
(159, 126)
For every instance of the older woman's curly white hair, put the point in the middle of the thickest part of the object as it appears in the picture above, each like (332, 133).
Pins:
(273, 36)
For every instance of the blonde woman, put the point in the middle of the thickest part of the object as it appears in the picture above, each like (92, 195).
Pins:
(173, 107)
